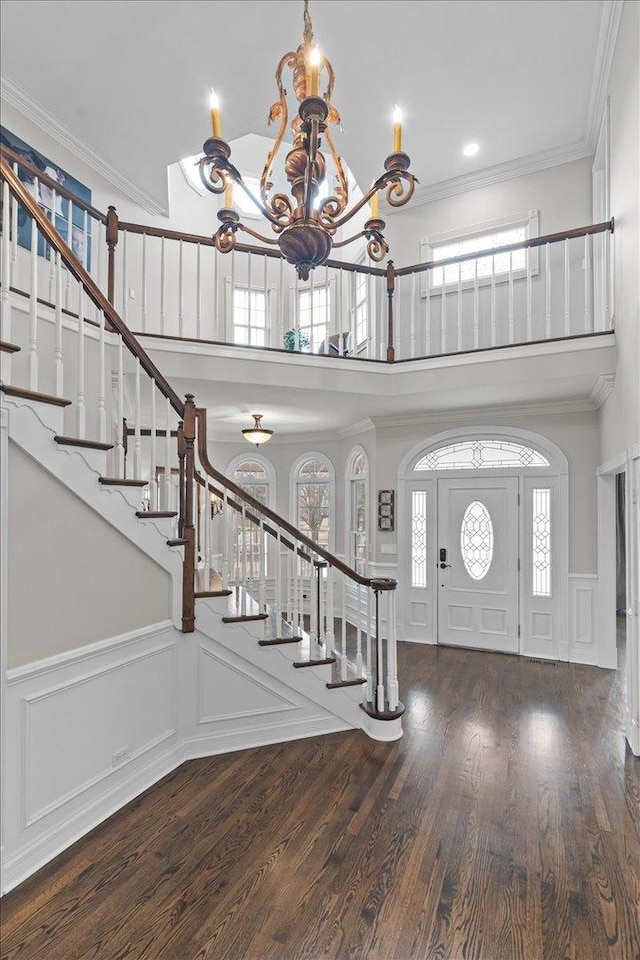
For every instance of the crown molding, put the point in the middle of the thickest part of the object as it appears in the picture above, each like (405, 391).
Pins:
(610, 17)
(494, 413)
(519, 167)
(360, 427)
(602, 387)
(17, 97)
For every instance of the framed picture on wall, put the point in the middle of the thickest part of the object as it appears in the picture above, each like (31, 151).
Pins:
(386, 510)
(77, 234)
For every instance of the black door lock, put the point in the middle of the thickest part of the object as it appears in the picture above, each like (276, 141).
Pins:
(443, 557)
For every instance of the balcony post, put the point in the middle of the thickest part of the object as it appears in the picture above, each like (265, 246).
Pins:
(189, 533)
(391, 282)
(112, 242)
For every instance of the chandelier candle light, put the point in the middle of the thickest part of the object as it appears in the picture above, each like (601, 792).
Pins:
(304, 233)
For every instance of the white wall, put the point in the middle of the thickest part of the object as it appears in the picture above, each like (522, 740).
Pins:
(562, 194)
(73, 579)
(620, 422)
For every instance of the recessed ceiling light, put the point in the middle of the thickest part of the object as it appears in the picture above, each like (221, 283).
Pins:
(471, 149)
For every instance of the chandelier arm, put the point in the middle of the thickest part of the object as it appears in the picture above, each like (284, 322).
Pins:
(343, 187)
(280, 111)
(390, 181)
(258, 236)
(377, 247)
(398, 193)
(331, 82)
(279, 221)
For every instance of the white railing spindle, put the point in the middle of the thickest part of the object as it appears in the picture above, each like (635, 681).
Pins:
(567, 289)
(81, 415)
(33, 308)
(547, 290)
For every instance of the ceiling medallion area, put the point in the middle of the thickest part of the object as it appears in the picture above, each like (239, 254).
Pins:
(304, 227)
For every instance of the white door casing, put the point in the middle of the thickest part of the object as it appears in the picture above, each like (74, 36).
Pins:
(543, 615)
(477, 563)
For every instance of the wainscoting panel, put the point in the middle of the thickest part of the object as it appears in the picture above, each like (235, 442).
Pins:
(583, 639)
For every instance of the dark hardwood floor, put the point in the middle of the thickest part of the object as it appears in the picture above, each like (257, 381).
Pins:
(503, 826)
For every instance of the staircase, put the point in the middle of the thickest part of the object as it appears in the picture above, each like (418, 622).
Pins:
(241, 575)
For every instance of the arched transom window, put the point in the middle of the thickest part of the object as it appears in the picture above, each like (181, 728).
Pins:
(313, 495)
(481, 454)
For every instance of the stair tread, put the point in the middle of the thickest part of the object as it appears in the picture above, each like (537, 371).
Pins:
(336, 684)
(152, 514)
(77, 442)
(314, 663)
(118, 482)
(176, 542)
(212, 593)
(6, 347)
(241, 618)
(279, 640)
(34, 395)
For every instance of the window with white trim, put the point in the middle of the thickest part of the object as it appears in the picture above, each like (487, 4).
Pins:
(358, 493)
(314, 311)
(483, 237)
(312, 503)
(254, 479)
(249, 317)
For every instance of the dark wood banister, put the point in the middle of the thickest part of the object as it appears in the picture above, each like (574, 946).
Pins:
(54, 239)
(8, 153)
(210, 470)
(606, 225)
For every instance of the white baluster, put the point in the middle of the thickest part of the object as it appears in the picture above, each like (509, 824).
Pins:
(229, 320)
(547, 290)
(102, 385)
(70, 245)
(124, 277)
(262, 587)
(511, 320)
(216, 285)
(359, 627)
(369, 671)
(343, 644)
(33, 307)
(267, 318)
(413, 315)
(227, 523)
(144, 296)
(529, 296)
(427, 318)
(180, 288)
(392, 652)
(52, 259)
(249, 288)
(443, 317)
(379, 658)
(278, 580)
(81, 412)
(459, 297)
(137, 437)
(588, 327)
(198, 291)
(205, 544)
(167, 456)
(243, 554)
(327, 319)
(567, 289)
(120, 439)
(398, 312)
(476, 308)
(163, 286)
(14, 224)
(494, 338)
(153, 480)
(296, 308)
(281, 299)
(330, 632)
(5, 310)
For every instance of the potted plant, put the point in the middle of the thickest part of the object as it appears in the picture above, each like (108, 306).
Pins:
(290, 340)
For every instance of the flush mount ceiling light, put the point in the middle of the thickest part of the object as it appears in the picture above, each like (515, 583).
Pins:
(471, 149)
(257, 433)
(304, 225)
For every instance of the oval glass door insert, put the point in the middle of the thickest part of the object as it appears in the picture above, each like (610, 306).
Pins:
(476, 540)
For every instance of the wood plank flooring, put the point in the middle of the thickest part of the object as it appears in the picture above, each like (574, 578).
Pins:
(503, 826)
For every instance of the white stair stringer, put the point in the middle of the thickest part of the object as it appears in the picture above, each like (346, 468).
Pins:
(242, 638)
(32, 425)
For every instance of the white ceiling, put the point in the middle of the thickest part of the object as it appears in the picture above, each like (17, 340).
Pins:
(131, 79)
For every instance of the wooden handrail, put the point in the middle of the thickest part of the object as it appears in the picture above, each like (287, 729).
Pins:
(195, 238)
(8, 153)
(606, 225)
(210, 470)
(54, 239)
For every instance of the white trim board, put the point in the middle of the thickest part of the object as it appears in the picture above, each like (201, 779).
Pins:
(17, 97)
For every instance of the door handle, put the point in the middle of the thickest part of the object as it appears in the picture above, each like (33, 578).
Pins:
(443, 566)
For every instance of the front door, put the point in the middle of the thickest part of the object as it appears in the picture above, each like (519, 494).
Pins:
(477, 563)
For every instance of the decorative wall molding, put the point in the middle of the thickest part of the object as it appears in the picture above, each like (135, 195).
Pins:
(17, 97)
(509, 170)
(602, 387)
(484, 414)
(610, 16)
(583, 622)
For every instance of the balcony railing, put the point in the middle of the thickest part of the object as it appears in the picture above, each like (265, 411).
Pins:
(170, 284)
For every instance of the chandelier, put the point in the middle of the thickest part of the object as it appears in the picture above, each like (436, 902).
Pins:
(304, 226)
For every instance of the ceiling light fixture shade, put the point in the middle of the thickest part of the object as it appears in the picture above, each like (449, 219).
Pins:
(304, 225)
(257, 433)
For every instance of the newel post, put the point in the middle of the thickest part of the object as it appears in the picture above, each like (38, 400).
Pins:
(112, 242)
(391, 283)
(188, 532)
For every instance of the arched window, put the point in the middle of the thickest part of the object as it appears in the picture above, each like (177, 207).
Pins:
(357, 505)
(256, 476)
(481, 454)
(313, 498)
